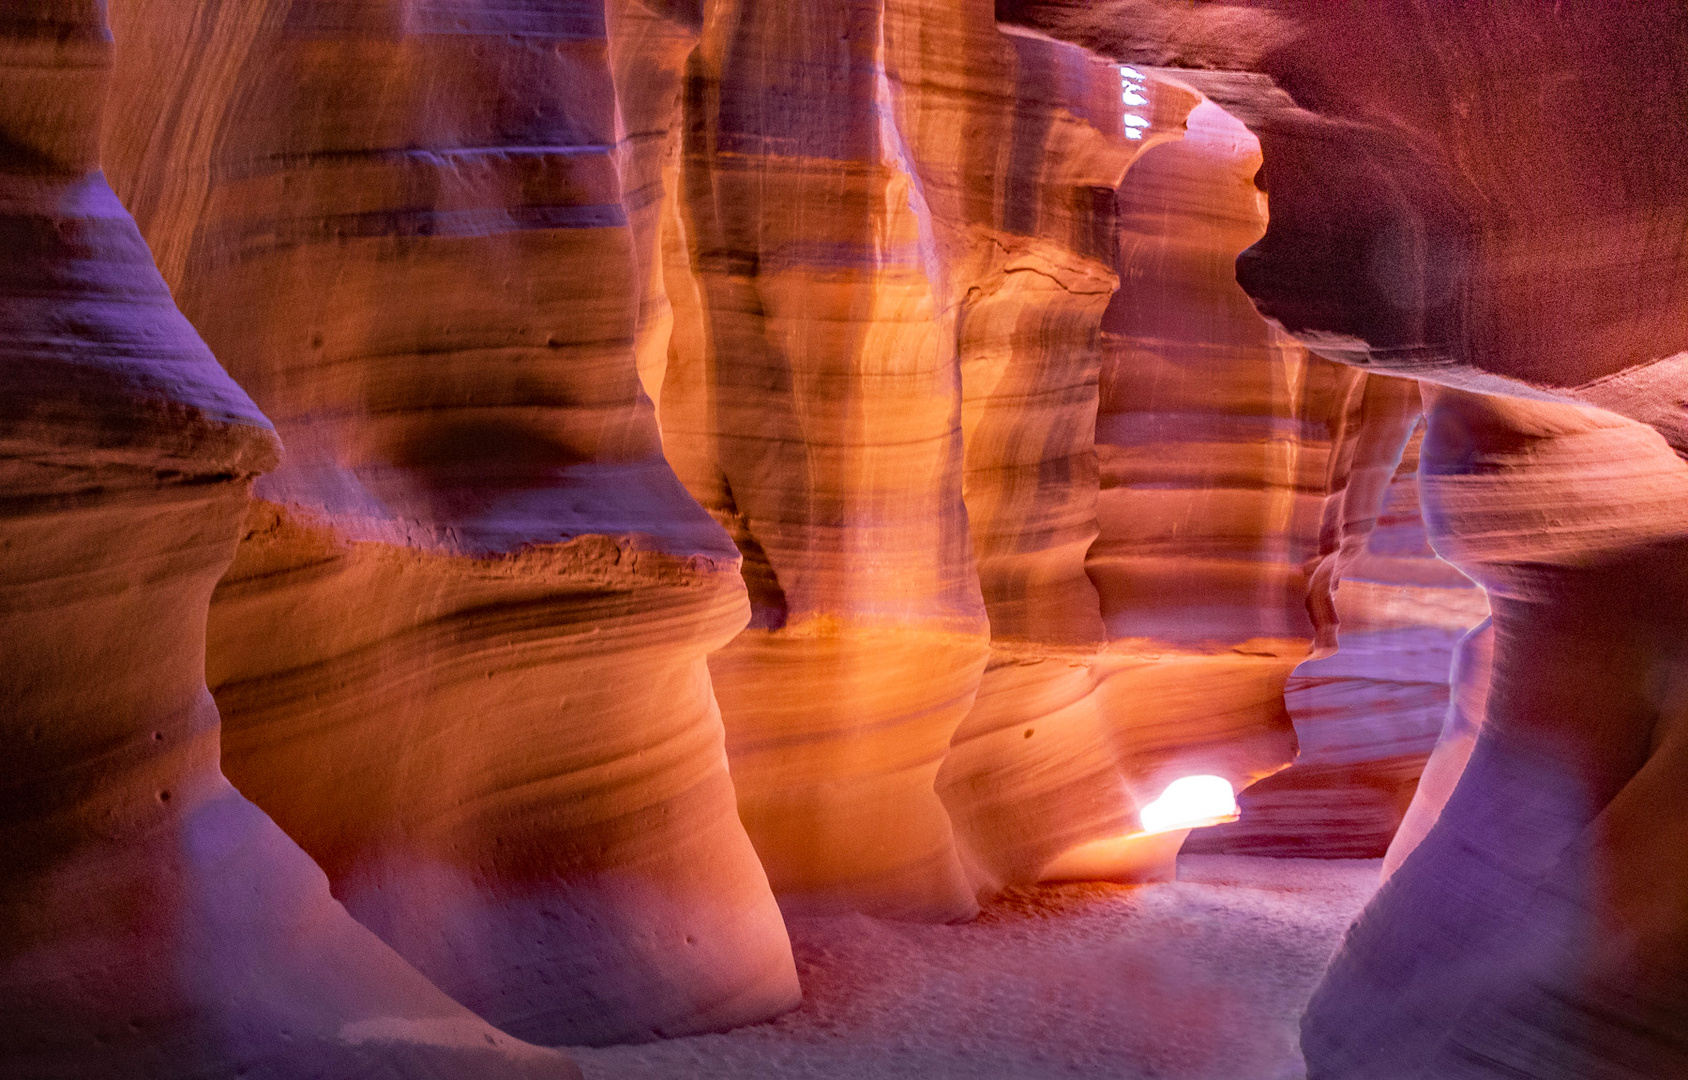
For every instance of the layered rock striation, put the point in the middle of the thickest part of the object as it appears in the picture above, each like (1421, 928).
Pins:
(1031, 510)
(461, 651)
(1440, 213)
(1076, 731)
(893, 243)
(898, 235)
(1239, 474)
(812, 407)
(1368, 715)
(1531, 920)
(902, 377)
(153, 923)
(1545, 865)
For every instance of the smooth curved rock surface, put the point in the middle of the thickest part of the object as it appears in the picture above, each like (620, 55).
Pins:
(859, 300)
(1468, 679)
(1020, 549)
(888, 396)
(1218, 447)
(153, 923)
(1036, 769)
(1238, 475)
(813, 408)
(1369, 715)
(889, 261)
(461, 648)
(1418, 227)
(1536, 927)
(1480, 268)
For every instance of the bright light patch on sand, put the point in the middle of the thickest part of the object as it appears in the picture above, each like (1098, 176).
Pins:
(1190, 802)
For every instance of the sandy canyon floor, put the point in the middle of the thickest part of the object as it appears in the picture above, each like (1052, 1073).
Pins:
(1201, 979)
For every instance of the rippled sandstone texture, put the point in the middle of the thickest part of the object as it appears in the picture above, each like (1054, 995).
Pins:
(1236, 469)
(460, 652)
(1368, 715)
(1537, 924)
(1439, 211)
(1007, 576)
(1232, 467)
(153, 923)
(892, 245)
(891, 249)
(846, 173)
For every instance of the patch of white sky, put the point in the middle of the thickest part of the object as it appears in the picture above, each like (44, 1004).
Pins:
(1131, 92)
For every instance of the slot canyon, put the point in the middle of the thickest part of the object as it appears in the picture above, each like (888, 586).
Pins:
(592, 539)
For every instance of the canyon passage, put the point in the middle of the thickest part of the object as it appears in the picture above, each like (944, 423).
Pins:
(843, 538)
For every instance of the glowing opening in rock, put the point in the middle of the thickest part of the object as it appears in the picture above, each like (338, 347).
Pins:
(1190, 802)
(1129, 95)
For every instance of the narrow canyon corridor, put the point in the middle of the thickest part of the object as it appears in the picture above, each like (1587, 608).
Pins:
(580, 539)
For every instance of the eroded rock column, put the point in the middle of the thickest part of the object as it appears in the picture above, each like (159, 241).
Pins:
(152, 921)
(1423, 224)
(817, 415)
(1418, 228)
(1535, 927)
(1368, 715)
(461, 650)
(1038, 770)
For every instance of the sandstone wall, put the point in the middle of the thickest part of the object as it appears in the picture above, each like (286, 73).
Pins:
(887, 394)
(817, 419)
(1440, 211)
(889, 255)
(461, 650)
(889, 258)
(1219, 446)
(1538, 927)
(152, 921)
(1028, 508)
(1537, 920)
(1368, 715)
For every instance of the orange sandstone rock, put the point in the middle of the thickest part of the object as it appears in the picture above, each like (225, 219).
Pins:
(1530, 916)
(901, 248)
(1443, 210)
(1073, 732)
(153, 923)
(461, 649)
(891, 253)
(814, 407)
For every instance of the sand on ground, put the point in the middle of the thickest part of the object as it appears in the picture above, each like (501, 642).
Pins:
(1201, 979)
